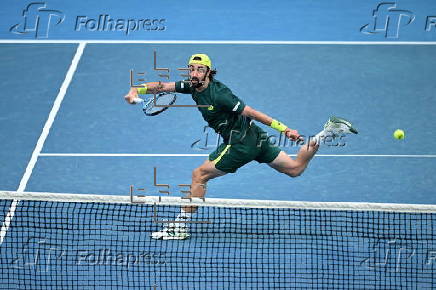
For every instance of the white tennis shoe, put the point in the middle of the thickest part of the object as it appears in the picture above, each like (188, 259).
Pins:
(172, 231)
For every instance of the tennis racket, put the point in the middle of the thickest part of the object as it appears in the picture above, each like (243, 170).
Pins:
(150, 107)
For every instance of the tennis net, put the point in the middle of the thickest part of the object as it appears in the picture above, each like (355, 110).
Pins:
(70, 241)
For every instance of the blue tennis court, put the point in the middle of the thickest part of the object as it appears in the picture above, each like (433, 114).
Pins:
(100, 145)
(67, 129)
(379, 87)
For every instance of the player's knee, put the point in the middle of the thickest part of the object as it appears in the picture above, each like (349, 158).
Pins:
(294, 171)
(199, 175)
(196, 174)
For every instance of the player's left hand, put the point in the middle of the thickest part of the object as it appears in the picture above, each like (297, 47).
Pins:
(293, 134)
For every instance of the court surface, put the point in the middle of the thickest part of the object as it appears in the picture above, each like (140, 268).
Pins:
(99, 144)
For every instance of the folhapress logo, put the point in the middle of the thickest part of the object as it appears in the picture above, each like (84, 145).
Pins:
(387, 19)
(37, 20)
(105, 23)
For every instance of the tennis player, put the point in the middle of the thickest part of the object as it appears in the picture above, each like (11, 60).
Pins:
(243, 140)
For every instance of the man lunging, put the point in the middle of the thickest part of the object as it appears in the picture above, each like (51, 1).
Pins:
(243, 140)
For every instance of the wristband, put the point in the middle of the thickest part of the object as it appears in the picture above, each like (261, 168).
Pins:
(278, 126)
(142, 91)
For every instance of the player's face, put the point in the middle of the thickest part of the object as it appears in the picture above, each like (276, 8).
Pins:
(198, 74)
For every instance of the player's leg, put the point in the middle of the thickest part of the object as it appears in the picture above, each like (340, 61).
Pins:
(223, 158)
(200, 176)
(283, 163)
(279, 160)
(295, 167)
(178, 229)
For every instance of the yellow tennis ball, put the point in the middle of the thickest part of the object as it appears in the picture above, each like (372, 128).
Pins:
(399, 134)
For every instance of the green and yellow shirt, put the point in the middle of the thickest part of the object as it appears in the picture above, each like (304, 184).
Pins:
(223, 111)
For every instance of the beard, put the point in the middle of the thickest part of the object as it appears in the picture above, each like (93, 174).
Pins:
(196, 83)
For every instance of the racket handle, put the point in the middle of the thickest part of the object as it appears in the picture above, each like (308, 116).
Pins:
(138, 100)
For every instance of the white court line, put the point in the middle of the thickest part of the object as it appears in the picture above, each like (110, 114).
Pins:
(202, 155)
(42, 138)
(265, 42)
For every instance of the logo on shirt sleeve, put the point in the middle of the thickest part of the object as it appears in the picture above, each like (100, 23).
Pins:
(235, 108)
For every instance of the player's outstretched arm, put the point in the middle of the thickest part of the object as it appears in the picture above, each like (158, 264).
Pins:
(268, 121)
(149, 88)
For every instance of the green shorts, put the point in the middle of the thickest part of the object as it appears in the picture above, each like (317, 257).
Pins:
(254, 146)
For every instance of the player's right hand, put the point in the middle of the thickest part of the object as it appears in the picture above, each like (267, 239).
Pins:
(131, 96)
